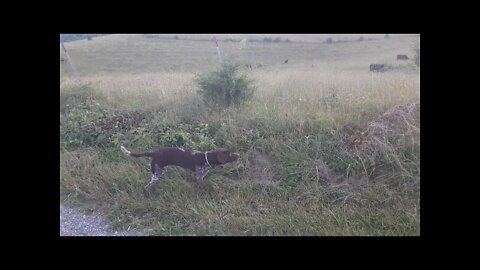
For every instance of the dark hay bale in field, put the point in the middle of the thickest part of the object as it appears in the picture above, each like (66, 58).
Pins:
(376, 67)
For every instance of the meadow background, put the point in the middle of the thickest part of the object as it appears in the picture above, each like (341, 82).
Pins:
(327, 147)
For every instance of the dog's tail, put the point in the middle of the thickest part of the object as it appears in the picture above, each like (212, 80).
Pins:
(126, 152)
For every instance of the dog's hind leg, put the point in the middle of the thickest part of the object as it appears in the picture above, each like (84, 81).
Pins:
(157, 177)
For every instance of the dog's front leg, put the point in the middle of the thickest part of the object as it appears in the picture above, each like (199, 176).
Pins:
(200, 173)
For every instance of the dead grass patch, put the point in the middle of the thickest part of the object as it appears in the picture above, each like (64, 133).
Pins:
(400, 122)
(258, 169)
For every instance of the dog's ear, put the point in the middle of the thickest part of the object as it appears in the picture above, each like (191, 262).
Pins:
(222, 156)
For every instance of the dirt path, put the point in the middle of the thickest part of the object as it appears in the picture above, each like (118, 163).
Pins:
(75, 222)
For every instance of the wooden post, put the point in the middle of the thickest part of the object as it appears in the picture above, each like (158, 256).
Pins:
(218, 50)
(70, 61)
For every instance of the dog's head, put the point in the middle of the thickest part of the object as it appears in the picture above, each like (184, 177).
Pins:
(225, 156)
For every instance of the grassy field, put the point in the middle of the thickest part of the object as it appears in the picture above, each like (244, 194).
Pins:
(327, 147)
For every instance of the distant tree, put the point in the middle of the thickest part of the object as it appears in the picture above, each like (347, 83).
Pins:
(175, 37)
(361, 38)
(278, 39)
(329, 40)
(387, 36)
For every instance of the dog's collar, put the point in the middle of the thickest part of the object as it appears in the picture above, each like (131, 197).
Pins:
(206, 159)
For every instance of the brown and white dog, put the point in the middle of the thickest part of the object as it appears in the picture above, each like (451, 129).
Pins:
(198, 162)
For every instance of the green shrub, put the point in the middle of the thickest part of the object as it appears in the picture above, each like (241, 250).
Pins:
(86, 128)
(188, 136)
(225, 87)
(76, 129)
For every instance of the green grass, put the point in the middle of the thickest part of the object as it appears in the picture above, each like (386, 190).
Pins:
(328, 149)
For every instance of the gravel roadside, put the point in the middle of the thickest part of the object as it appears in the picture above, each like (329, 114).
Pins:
(75, 222)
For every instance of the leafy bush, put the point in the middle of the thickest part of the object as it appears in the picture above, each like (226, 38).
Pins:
(225, 87)
(94, 128)
(75, 129)
(181, 135)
